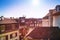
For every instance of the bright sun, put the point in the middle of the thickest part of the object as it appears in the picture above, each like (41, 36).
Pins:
(35, 2)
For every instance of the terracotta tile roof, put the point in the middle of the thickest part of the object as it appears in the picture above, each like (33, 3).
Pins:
(46, 17)
(33, 19)
(7, 21)
(41, 32)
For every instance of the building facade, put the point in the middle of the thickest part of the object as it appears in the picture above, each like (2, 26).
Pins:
(45, 21)
(8, 29)
(30, 22)
(56, 16)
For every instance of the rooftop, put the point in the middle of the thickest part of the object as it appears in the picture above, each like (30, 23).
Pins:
(43, 32)
(7, 21)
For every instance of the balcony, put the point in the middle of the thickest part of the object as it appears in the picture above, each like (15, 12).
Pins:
(7, 29)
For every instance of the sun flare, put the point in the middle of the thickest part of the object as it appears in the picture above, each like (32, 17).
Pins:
(35, 2)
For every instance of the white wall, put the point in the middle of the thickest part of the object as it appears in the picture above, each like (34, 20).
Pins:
(56, 21)
(45, 22)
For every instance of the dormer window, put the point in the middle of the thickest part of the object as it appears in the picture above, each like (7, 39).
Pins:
(58, 8)
(1, 18)
(2, 28)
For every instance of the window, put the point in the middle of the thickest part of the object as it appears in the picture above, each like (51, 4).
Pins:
(16, 26)
(35, 22)
(8, 27)
(31, 22)
(15, 39)
(15, 34)
(59, 9)
(11, 36)
(13, 26)
(6, 37)
(2, 28)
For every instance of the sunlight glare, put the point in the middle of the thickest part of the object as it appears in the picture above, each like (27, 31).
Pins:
(35, 2)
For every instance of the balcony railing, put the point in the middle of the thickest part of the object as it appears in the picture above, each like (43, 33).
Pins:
(8, 30)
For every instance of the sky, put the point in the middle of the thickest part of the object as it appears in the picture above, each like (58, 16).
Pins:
(27, 8)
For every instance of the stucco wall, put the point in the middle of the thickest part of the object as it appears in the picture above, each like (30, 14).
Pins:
(45, 22)
(56, 21)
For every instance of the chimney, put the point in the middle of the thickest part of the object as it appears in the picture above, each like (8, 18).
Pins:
(1, 18)
(51, 18)
(11, 17)
(57, 8)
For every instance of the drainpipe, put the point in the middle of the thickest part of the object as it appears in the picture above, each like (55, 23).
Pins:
(51, 18)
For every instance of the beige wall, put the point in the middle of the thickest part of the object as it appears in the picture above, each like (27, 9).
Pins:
(45, 22)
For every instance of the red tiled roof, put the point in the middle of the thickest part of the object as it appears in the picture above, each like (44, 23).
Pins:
(43, 32)
(46, 17)
(32, 19)
(7, 21)
(40, 32)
